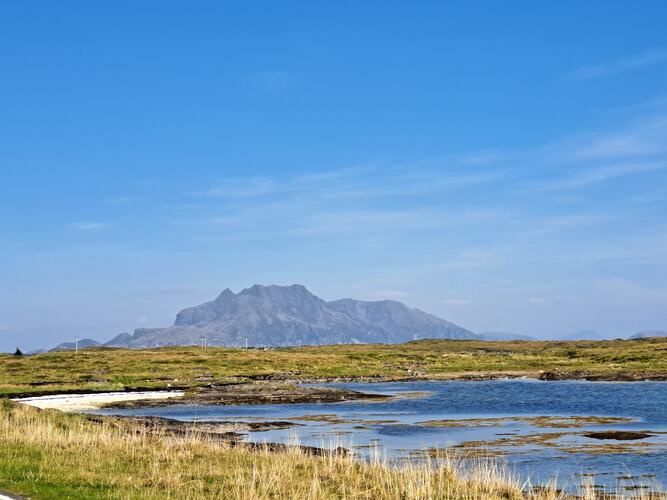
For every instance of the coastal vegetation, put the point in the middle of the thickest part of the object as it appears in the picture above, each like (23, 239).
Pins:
(106, 369)
(113, 457)
(50, 454)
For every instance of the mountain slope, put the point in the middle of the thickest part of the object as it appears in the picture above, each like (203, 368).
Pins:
(291, 315)
(649, 333)
(70, 346)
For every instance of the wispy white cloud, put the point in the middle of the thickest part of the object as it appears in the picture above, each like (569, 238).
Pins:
(364, 200)
(601, 174)
(647, 138)
(87, 226)
(394, 220)
(489, 156)
(655, 104)
(357, 182)
(548, 224)
(637, 62)
(250, 187)
(593, 158)
(587, 176)
(492, 215)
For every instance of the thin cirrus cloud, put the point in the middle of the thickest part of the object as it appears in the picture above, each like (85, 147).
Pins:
(636, 149)
(480, 212)
(642, 139)
(395, 221)
(637, 62)
(263, 186)
(590, 176)
(361, 182)
(596, 158)
(87, 226)
(369, 199)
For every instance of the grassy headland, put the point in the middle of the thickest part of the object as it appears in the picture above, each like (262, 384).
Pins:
(188, 367)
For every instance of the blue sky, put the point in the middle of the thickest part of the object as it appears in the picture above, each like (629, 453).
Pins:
(500, 164)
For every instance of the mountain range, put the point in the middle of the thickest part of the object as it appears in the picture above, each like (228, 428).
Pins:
(584, 335)
(279, 316)
(649, 333)
(500, 336)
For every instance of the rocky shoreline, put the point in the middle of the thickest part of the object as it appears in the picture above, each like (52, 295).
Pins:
(202, 394)
(228, 432)
(257, 393)
(635, 376)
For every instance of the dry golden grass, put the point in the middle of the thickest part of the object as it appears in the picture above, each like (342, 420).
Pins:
(48, 454)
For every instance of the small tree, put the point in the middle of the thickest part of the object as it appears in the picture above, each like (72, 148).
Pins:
(18, 352)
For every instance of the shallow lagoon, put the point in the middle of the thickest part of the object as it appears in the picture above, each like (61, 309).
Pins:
(490, 418)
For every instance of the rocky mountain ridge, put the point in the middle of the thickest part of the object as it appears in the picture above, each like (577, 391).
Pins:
(280, 316)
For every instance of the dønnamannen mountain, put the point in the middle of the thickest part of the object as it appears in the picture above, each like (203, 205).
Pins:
(278, 316)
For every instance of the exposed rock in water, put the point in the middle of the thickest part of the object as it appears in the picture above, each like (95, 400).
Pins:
(618, 435)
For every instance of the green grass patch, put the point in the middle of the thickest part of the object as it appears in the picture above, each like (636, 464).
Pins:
(100, 369)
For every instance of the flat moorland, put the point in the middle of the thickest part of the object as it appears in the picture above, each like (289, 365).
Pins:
(101, 369)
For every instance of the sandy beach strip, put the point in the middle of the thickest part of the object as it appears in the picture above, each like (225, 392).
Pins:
(79, 402)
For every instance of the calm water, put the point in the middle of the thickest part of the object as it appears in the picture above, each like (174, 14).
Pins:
(528, 447)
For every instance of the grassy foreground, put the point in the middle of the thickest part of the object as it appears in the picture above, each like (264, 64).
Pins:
(49, 454)
(119, 369)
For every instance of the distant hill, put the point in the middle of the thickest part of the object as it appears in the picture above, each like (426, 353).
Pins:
(499, 336)
(83, 343)
(291, 315)
(119, 340)
(649, 333)
(584, 335)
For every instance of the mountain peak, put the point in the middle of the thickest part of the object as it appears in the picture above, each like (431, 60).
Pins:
(258, 290)
(226, 293)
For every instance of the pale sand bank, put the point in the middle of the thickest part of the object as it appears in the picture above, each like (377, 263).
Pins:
(78, 402)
